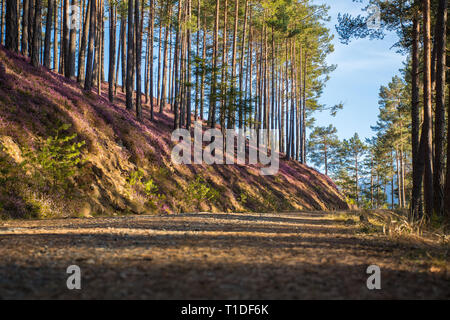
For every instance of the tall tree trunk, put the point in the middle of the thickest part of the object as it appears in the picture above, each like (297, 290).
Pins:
(293, 107)
(392, 181)
(61, 63)
(66, 37)
(182, 70)
(123, 57)
(31, 13)
(82, 51)
(447, 178)
(417, 160)
(300, 106)
(304, 109)
(138, 25)
(250, 66)
(36, 34)
(202, 84)
(241, 69)
(188, 71)
(402, 165)
(100, 33)
(24, 42)
(158, 83)
(118, 55)
(55, 37)
(2, 13)
(130, 61)
(90, 57)
(233, 64)
(297, 109)
(176, 68)
(72, 48)
(151, 22)
(224, 78)
(427, 119)
(164, 66)
(170, 71)
(197, 75)
(265, 111)
(12, 27)
(286, 80)
(439, 129)
(371, 184)
(212, 99)
(112, 50)
(357, 180)
(102, 43)
(48, 34)
(399, 184)
(96, 46)
(146, 60)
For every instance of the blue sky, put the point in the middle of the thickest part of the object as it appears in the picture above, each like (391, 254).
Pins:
(362, 67)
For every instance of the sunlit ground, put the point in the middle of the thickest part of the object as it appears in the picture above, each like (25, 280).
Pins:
(215, 256)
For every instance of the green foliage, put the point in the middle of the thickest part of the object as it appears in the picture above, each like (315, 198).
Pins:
(136, 177)
(323, 145)
(151, 190)
(349, 167)
(150, 187)
(27, 196)
(242, 198)
(198, 190)
(147, 186)
(56, 158)
(366, 172)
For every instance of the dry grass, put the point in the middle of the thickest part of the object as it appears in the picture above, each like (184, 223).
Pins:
(397, 225)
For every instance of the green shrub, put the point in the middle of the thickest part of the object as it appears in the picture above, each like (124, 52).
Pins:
(136, 177)
(57, 158)
(198, 190)
(147, 186)
(150, 188)
(151, 191)
(243, 198)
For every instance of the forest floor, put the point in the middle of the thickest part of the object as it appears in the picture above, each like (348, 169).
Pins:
(216, 256)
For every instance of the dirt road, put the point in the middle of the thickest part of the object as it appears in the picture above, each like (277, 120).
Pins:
(214, 256)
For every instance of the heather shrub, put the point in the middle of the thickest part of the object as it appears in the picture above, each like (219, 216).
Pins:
(13, 198)
(7, 167)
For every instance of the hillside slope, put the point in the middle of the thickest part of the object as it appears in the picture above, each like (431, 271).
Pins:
(126, 165)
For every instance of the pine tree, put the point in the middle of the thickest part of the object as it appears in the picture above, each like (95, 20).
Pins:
(323, 144)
